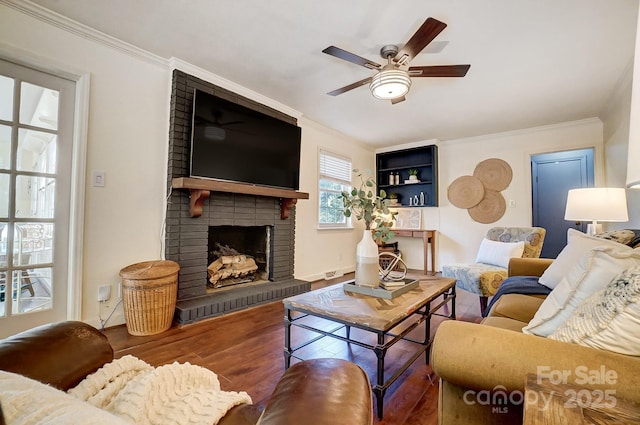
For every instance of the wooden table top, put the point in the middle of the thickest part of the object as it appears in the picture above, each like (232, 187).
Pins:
(367, 311)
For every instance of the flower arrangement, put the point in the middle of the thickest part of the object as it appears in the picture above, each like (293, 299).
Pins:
(363, 204)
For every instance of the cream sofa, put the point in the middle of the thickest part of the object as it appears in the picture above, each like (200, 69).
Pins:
(495, 355)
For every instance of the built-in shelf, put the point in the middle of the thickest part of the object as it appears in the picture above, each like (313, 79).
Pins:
(385, 186)
(424, 160)
(201, 190)
(406, 167)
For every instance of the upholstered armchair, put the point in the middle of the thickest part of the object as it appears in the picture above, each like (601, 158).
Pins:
(485, 276)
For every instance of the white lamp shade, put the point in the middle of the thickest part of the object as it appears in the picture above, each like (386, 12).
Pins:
(597, 204)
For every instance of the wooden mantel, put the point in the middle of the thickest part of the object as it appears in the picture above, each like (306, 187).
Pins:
(202, 188)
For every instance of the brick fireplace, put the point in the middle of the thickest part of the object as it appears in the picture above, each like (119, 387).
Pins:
(188, 235)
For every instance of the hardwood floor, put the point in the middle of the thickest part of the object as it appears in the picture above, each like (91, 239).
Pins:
(245, 349)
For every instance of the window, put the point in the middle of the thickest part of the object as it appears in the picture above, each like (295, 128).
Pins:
(335, 177)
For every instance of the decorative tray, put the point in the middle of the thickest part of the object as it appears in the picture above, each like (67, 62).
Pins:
(380, 292)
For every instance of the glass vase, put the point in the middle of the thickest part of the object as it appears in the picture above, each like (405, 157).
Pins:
(367, 261)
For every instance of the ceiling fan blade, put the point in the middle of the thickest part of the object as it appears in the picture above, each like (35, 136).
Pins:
(350, 87)
(398, 100)
(439, 71)
(425, 35)
(350, 57)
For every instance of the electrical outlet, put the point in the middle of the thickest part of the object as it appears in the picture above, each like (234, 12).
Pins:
(104, 293)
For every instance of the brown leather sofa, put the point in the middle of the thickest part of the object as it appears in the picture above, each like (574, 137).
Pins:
(313, 392)
(495, 356)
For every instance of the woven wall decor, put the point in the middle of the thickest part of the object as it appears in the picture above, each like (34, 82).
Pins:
(480, 193)
(465, 192)
(490, 209)
(494, 173)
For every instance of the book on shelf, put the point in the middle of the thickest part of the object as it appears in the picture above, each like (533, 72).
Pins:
(395, 284)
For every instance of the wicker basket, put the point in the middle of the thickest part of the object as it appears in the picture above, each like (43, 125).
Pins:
(149, 292)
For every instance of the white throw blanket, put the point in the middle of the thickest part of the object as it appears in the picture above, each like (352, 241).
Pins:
(171, 394)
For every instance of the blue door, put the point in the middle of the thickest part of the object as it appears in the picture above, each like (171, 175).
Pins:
(552, 175)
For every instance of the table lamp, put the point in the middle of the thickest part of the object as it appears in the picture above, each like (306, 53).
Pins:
(596, 204)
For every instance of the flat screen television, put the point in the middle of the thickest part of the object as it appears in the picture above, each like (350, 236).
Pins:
(231, 142)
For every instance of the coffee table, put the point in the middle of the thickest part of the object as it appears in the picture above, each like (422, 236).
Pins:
(371, 314)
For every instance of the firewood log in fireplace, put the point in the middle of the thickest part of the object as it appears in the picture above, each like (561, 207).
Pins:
(230, 266)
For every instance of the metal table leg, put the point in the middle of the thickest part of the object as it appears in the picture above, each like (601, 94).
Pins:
(287, 338)
(427, 333)
(453, 303)
(380, 389)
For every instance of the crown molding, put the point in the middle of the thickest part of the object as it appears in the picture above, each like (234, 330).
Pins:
(529, 130)
(64, 23)
(203, 74)
(409, 145)
(307, 122)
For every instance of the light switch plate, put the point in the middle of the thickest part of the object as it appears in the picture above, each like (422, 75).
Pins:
(98, 178)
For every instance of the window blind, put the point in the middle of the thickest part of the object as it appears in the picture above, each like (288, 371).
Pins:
(335, 167)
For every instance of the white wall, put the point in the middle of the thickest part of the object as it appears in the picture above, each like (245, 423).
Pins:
(127, 138)
(320, 251)
(460, 236)
(616, 120)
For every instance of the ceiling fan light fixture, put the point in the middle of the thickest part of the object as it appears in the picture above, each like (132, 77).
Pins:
(390, 83)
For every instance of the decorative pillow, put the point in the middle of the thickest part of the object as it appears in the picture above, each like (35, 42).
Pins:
(629, 237)
(608, 320)
(26, 401)
(578, 244)
(499, 253)
(590, 274)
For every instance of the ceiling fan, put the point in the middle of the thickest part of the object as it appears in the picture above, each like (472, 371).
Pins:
(393, 80)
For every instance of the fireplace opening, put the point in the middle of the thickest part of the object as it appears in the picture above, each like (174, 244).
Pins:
(238, 255)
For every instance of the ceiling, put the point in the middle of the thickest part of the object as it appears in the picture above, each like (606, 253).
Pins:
(533, 62)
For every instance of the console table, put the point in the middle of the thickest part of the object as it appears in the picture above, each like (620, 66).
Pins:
(428, 240)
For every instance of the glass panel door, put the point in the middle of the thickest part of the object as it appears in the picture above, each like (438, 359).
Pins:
(36, 118)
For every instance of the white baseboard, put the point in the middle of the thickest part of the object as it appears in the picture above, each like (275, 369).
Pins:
(322, 276)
